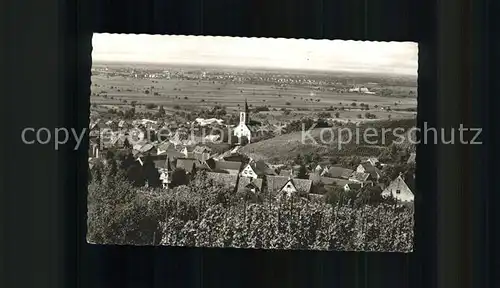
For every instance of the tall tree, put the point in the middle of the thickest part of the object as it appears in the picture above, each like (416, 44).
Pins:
(302, 174)
(151, 174)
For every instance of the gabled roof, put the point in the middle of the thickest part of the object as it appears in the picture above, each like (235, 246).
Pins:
(261, 168)
(166, 146)
(369, 168)
(245, 181)
(361, 177)
(302, 185)
(276, 183)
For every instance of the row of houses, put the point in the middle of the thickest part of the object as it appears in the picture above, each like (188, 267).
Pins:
(236, 172)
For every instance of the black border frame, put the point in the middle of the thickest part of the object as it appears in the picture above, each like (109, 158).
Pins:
(44, 192)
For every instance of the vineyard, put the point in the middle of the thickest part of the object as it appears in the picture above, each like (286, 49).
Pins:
(204, 214)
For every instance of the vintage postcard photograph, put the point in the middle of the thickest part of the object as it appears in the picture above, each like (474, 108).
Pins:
(253, 143)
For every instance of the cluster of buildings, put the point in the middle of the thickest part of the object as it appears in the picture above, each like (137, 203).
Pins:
(238, 172)
(367, 173)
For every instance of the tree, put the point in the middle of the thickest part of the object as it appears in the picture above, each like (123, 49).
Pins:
(179, 177)
(302, 174)
(151, 174)
(126, 144)
(113, 216)
(337, 114)
(161, 111)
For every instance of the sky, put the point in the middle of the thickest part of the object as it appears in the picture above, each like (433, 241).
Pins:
(304, 54)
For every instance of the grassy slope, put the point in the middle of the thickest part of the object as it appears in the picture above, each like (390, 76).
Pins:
(285, 148)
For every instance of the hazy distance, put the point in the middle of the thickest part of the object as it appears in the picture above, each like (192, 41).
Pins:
(400, 58)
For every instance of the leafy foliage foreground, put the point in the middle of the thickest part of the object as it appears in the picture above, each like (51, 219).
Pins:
(206, 214)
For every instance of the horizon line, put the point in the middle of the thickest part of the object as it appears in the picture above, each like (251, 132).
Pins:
(101, 61)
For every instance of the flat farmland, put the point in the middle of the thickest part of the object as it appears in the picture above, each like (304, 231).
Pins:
(120, 92)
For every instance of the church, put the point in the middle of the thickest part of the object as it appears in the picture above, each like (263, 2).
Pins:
(242, 131)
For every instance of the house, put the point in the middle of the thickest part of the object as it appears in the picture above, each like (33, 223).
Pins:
(256, 169)
(373, 161)
(367, 167)
(230, 167)
(328, 181)
(227, 180)
(166, 148)
(242, 130)
(318, 169)
(190, 165)
(187, 152)
(359, 177)
(291, 186)
(399, 190)
(201, 153)
(279, 184)
(337, 172)
(118, 140)
(254, 185)
(352, 187)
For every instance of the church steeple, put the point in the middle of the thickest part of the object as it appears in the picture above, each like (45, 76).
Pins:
(244, 114)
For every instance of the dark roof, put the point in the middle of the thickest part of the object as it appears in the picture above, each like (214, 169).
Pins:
(316, 178)
(367, 165)
(224, 165)
(235, 157)
(245, 181)
(189, 163)
(261, 168)
(362, 177)
(354, 186)
(162, 164)
(275, 183)
(302, 185)
(186, 164)
(166, 146)
(339, 172)
(369, 168)
(228, 180)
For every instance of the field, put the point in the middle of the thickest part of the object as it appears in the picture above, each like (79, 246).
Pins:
(119, 91)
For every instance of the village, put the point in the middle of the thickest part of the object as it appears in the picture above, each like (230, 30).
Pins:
(180, 153)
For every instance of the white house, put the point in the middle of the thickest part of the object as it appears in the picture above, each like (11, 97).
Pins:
(399, 190)
(242, 131)
(256, 169)
(249, 172)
